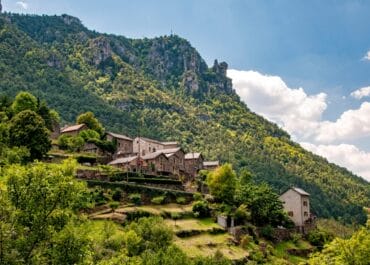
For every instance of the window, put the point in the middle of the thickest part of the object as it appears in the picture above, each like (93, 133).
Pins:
(305, 203)
(290, 214)
(154, 149)
(305, 214)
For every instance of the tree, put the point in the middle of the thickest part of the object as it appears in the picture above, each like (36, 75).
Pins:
(28, 129)
(38, 203)
(355, 250)
(89, 119)
(222, 183)
(24, 101)
(264, 205)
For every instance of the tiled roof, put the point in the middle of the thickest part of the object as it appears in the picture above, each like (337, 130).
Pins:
(72, 128)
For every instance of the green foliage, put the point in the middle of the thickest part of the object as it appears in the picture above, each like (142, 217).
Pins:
(89, 135)
(91, 122)
(158, 200)
(355, 250)
(28, 129)
(319, 238)
(154, 233)
(201, 209)
(114, 205)
(144, 79)
(264, 205)
(181, 200)
(37, 207)
(24, 101)
(117, 194)
(70, 143)
(135, 198)
(222, 183)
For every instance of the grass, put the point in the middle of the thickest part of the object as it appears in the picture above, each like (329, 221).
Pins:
(202, 225)
(159, 210)
(280, 250)
(208, 245)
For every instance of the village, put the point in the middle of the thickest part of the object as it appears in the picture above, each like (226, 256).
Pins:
(141, 155)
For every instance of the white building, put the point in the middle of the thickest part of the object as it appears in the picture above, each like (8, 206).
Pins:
(297, 204)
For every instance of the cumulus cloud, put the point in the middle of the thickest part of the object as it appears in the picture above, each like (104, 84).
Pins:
(352, 124)
(361, 93)
(293, 109)
(346, 155)
(22, 4)
(367, 56)
(301, 115)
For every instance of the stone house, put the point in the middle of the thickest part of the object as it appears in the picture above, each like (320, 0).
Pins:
(193, 163)
(296, 203)
(124, 144)
(155, 164)
(146, 145)
(211, 165)
(176, 160)
(73, 130)
(130, 163)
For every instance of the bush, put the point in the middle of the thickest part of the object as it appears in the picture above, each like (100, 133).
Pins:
(114, 205)
(319, 238)
(267, 232)
(158, 200)
(135, 198)
(198, 196)
(117, 195)
(181, 200)
(201, 209)
(244, 242)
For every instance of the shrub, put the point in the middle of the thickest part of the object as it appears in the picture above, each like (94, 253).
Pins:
(181, 200)
(117, 195)
(135, 198)
(319, 238)
(267, 232)
(158, 200)
(244, 242)
(201, 209)
(295, 237)
(197, 196)
(114, 205)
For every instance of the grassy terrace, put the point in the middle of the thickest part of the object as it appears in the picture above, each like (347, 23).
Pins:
(207, 245)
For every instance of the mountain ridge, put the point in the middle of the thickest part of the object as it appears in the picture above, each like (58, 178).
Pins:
(162, 88)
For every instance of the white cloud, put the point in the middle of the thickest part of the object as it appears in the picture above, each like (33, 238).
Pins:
(367, 56)
(301, 115)
(345, 155)
(22, 4)
(361, 93)
(352, 124)
(293, 109)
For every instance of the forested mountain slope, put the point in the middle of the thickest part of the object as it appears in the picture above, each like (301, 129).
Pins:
(162, 88)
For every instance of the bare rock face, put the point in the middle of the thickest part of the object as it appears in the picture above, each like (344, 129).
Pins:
(190, 81)
(100, 50)
(70, 20)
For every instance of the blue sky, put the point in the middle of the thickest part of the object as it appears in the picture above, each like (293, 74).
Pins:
(276, 45)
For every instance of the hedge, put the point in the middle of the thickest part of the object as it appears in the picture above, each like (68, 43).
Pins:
(156, 181)
(137, 188)
(124, 175)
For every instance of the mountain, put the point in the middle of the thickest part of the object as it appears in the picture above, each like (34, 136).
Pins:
(162, 88)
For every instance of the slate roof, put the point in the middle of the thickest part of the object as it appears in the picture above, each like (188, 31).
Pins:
(211, 163)
(120, 136)
(300, 191)
(123, 160)
(192, 155)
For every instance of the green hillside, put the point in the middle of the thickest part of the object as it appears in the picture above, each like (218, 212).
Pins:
(162, 88)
